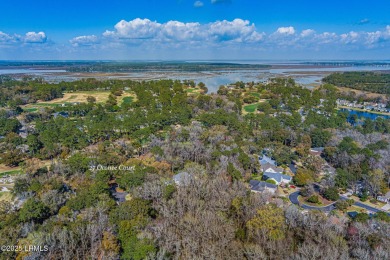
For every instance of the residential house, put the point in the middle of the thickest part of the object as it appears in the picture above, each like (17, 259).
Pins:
(262, 186)
(352, 214)
(293, 168)
(62, 113)
(317, 151)
(385, 198)
(327, 169)
(183, 178)
(279, 178)
(271, 168)
(265, 159)
(118, 194)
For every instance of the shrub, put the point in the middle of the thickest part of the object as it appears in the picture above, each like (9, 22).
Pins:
(271, 181)
(342, 205)
(361, 217)
(313, 199)
(303, 177)
(364, 196)
(332, 194)
(382, 216)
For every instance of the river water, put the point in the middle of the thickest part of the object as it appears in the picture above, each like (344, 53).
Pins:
(308, 77)
(365, 114)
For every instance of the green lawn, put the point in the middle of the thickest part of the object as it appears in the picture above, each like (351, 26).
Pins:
(251, 108)
(5, 196)
(13, 172)
(255, 94)
(46, 104)
(30, 109)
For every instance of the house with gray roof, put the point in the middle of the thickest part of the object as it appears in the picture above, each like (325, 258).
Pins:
(327, 169)
(277, 177)
(183, 178)
(316, 151)
(264, 159)
(262, 186)
(270, 168)
(62, 114)
(385, 198)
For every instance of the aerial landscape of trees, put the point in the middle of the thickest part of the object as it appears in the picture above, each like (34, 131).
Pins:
(367, 81)
(69, 195)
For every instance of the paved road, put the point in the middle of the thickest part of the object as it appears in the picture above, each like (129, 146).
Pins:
(294, 199)
(362, 205)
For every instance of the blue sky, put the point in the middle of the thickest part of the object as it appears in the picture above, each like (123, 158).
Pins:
(188, 29)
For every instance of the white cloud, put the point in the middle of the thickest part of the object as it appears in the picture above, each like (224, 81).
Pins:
(85, 40)
(147, 35)
(351, 37)
(326, 38)
(135, 29)
(364, 21)
(373, 38)
(237, 30)
(6, 38)
(220, 1)
(307, 32)
(198, 4)
(182, 31)
(33, 37)
(286, 30)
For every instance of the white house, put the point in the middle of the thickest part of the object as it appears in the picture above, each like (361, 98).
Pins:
(385, 198)
(277, 177)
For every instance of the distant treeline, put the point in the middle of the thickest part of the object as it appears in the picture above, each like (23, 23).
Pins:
(367, 81)
(161, 66)
(348, 63)
(110, 66)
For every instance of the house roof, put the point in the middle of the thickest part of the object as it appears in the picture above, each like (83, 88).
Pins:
(352, 214)
(120, 196)
(261, 185)
(182, 178)
(268, 166)
(328, 168)
(277, 176)
(316, 150)
(293, 168)
(62, 113)
(266, 160)
(387, 195)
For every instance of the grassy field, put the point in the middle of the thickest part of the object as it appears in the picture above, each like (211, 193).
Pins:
(255, 94)
(193, 91)
(79, 97)
(251, 108)
(5, 196)
(360, 92)
(10, 172)
(5, 170)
